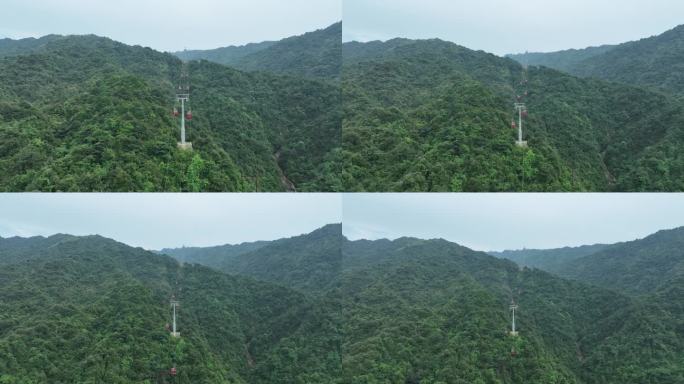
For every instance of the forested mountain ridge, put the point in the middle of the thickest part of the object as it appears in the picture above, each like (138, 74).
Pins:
(564, 61)
(435, 311)
(225, 55)
(402, 311)
(213, 257)
(654, 62)
(429, 115)
(639, 267)
(416, 310)
(86, 113)
(10, 47)
(550, 260)
(90, 309)
(308, 263)
(316, 54)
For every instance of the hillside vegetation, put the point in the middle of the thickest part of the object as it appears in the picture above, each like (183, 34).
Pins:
(655, 62)
(417, 311)
(93, 310)
(85, 113)
(89, 309)
(640, 267)
(315, 54)
(433, 116)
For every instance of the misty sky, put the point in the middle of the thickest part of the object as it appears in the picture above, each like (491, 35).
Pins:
(155, 221)
(169, 25)
(512, 26)
(489, 222)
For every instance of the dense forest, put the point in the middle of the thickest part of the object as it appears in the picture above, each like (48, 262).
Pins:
(417, 311)
(85, 113)
(640, 267)
(318, 308)
(315, 54)
(93, 310)
(430, 115)
(655, 62)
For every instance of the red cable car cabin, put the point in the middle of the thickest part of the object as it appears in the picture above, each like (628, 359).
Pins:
(524, 113)
(188, 116)
(513, 125)
(175, 112)
(173, 371)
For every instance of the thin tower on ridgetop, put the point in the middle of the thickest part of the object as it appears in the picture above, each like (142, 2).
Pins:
(522, 113)
(513, 307)
(174, 305)
(183, 96)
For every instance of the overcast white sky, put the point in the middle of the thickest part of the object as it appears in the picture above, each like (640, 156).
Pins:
(512, 26)
(155, 221)
(489, 222)
(169, 25)
(480, 221)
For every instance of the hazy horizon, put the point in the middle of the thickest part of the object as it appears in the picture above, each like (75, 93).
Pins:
(317, 228)
(510, 221)
(508, 27)
(163, 220)
(483, 222)
(170, 25)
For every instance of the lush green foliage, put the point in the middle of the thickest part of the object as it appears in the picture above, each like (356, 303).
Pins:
(226, 55)
(88, 114)
(88, 309)
(92, 310)
(636, 267)
(307, 263)
(416, 311)
(564, 61)
(315, 54)
(550, 260)
(433, 116)
(656, 62)
(216, 257)
(9, 47)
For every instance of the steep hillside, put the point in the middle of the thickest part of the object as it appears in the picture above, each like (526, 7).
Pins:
(642, 266)
(308, 263)
(432, 311)
(225, 55)
(550, 260)
(89, 114)
(9, 47)
(433, 116)
(565, 61)
(214, 257)
(414, 311)
(655, 62)
(93, 310)
(314, 54)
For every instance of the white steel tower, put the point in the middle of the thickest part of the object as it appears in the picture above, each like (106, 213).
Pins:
(522, 110)
(513, 307)
(174, 305)
(183, 96)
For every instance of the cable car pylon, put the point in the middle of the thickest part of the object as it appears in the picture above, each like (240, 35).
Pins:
(521, 109)
(513, 307)
(183, 97)
(174, 305)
